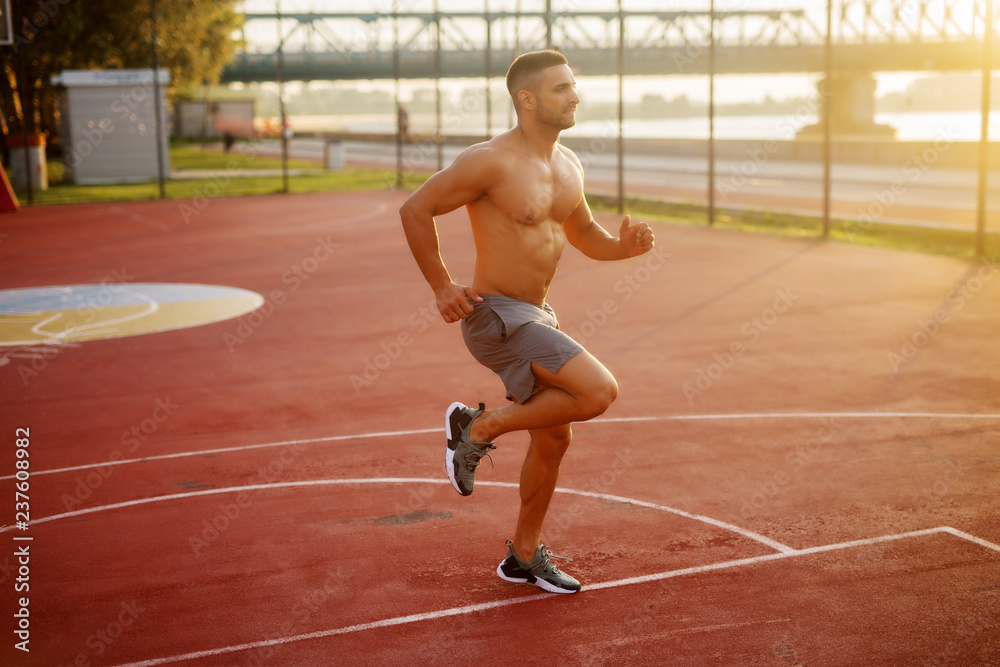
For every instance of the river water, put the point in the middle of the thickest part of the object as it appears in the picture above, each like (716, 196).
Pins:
(909, 126)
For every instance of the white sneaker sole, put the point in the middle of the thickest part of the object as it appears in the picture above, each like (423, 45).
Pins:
(541, 583)
(546, 586)
(449, 458)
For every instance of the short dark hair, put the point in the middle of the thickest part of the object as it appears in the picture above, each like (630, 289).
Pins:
(523, 72)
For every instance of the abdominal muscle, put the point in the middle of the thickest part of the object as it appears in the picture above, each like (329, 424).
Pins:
(514, 259)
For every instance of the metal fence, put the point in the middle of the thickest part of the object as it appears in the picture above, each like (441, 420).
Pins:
(824, 156)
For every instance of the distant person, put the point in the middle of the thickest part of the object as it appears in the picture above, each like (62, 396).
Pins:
(228, 140)
(403, 123)
(524, 194)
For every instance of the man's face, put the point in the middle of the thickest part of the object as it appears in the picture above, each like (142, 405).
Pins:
(557, 98)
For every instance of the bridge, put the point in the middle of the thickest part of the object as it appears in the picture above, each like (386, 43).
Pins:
(849, 39)
(867, 36)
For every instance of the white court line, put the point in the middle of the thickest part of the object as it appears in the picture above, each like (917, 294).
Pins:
(783, 551)
(972, 538)
(749, 534)
(223, 450)
(777, 546)
(610, 420)
(806, 415)
(470, 609)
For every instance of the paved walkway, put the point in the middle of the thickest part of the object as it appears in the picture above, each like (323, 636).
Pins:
(914, 193)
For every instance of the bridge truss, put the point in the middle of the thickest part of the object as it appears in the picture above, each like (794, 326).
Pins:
(388, 42)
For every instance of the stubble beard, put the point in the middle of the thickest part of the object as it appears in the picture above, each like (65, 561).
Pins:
(557, 119)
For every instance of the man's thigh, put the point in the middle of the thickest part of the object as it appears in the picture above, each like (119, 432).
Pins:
(579, 375)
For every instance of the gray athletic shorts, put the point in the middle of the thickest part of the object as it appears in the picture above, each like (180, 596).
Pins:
(507, 335)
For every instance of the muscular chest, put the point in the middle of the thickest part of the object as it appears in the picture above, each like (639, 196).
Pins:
(542, 192)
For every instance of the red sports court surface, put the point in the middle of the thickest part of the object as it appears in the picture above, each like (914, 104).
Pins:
(800, 468)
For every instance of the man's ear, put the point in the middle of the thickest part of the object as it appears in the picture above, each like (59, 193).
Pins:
(527, 99)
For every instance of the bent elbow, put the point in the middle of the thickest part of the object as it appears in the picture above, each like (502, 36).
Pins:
(406, 211)
(414, 210)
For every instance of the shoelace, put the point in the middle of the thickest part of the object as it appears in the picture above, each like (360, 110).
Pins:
(472, 459)
(547, 554)
(546, 551)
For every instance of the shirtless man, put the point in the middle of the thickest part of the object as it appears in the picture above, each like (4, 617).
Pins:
(524, 195)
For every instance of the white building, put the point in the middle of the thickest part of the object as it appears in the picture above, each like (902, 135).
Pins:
(109, 125)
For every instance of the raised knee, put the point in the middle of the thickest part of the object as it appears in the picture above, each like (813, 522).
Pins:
(601, 398)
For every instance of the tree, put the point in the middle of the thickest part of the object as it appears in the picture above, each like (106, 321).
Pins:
(195, 41)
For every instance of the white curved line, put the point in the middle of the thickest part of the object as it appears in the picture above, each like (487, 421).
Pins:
(399, 620)
(609, 420)
(485, 606)
(36, 328)
(85, 329)
(91, 328)
(223, 450)
(757, 537)
(400, 480)
(108, 328)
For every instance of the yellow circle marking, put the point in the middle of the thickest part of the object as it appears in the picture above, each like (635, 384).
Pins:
(76, 313)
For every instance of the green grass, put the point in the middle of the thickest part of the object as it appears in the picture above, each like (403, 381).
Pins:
(233, 174)
(933, 241)
(221, 185)
(192, 156)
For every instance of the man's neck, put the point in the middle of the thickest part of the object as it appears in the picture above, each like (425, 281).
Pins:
(541, 139)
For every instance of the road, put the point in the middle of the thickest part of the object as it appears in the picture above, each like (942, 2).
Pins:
(916, 193)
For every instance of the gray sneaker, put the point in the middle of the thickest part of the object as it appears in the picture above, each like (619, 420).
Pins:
(540, 572)
(462, 455)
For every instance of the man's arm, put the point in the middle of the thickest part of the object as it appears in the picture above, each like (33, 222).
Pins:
(595, 242)
(464, 181)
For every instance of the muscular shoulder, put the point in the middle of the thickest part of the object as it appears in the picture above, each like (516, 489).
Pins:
(487, 160)
(570, 156)
(504, 149)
